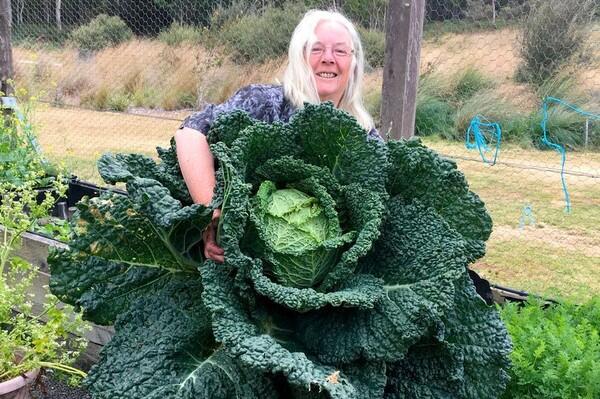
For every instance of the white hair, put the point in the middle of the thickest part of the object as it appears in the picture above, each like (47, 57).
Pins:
(299, 82)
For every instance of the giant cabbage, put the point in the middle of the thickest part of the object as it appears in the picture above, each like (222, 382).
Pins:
(345, 271)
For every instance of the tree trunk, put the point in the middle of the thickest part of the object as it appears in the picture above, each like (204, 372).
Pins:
(47, 11)
(6, 60)
(20, 7)
(58, 15)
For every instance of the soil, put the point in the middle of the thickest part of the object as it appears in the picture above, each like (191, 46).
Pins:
(48, 387)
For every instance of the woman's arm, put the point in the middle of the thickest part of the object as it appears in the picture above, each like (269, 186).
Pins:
(196, 163)
(197, 167)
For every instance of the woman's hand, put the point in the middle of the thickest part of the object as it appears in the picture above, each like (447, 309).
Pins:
(211, 249)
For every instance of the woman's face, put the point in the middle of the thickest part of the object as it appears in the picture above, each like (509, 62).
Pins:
(330, 59)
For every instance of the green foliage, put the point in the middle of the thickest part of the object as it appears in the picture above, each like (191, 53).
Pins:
(35, 35)
(30, 338)
(392, 313)
(368, 14)
(20, 156)
(434, 116)
(118, 101)
(299, 234)
(553, 32)
(556, 350)
(101, 32)
(373, 42)
(178, 34)
(53, 227)
(488, 104)
(468, 82)
(263, 36)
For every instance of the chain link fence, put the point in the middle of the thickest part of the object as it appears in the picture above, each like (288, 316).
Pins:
(510, 89)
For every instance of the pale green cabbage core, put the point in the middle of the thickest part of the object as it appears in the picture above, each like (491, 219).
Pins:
(296, 233)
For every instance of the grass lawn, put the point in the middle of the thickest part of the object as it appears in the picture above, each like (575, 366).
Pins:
(558, 256)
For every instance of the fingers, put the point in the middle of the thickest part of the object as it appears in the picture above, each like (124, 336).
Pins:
(211, 249)
(214, 252)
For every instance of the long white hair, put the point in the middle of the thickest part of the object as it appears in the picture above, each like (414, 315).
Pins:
(298, 80)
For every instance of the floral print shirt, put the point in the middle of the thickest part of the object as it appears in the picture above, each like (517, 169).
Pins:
(266, 103)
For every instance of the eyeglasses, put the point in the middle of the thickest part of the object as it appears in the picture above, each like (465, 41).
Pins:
(338, 51)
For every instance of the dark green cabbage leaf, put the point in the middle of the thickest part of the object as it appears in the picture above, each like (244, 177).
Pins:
(345, 271)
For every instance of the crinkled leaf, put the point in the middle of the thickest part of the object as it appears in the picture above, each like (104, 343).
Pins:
(228, 126)
(362, 211)
(119, 168)
(418, 257)
(258, 144)
(333, 139)
(258, 350)
(299, 231)
(288, 170)
(470, 363)
(163, 348)
(419, 172)
(102, 289)
(122, 249)
(360, 291)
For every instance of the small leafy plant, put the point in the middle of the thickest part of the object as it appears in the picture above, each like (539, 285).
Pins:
(30, 338)
(20, 157)
(345, 271)
(556, 350)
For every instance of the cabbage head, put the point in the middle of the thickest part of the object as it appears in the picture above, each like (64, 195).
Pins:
(300, 234)
(345, 273)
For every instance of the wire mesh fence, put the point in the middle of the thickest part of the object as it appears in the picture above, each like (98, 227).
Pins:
(120, 76)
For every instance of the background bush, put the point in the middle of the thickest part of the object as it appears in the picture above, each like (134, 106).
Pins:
(178, 34)
(552, 33)
(374, 45)
(264, 36)
(102, 31)
(556, 351)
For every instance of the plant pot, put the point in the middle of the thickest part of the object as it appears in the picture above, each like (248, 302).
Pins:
(18, 387)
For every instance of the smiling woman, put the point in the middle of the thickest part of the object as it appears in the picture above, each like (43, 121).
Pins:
(325, 63)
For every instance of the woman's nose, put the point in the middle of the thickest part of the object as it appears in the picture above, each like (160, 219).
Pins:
(327, 55)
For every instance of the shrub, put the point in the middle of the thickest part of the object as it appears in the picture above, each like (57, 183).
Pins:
(102, 31)
(118, 101)
(225, 14)
(488, 104)
(34, 35)
(434, 116)
(564, 126)
(468, 82)
(21, 159)
(369, 14)
(261, 37)
(374, 45)
(556, 351)
(553, 32)
(178, 34)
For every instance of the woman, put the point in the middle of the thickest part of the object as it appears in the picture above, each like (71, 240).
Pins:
(325, 63)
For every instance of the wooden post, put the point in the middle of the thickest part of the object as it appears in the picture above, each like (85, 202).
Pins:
(6, 60)
(403, 32)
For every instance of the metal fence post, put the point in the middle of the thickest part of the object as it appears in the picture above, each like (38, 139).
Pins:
(403, 32)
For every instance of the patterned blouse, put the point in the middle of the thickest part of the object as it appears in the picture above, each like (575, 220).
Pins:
(262, 102)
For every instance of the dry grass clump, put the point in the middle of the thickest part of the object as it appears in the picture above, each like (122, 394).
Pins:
(138, 73)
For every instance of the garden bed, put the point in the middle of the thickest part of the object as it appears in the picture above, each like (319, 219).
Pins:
(34, 249)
